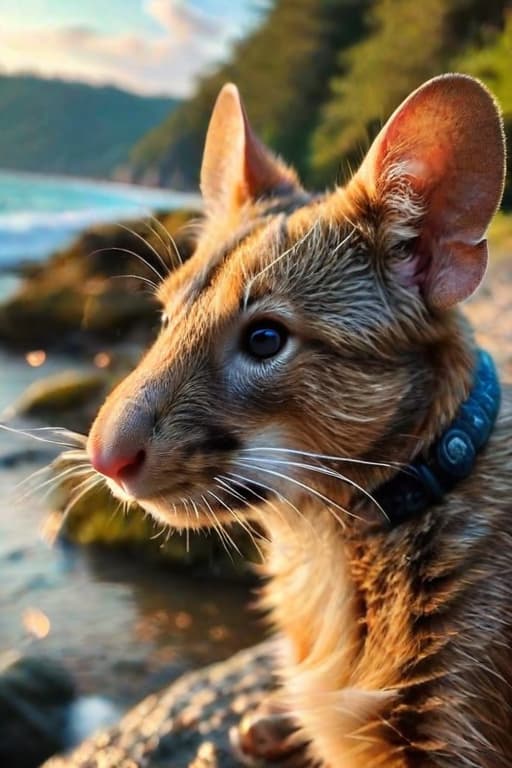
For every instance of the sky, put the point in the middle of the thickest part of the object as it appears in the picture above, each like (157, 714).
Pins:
(147, 46)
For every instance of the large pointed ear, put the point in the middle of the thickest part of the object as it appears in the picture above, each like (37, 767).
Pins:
(237, 167)
(443, 149)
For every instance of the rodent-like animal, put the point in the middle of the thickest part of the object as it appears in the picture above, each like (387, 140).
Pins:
(311, 346)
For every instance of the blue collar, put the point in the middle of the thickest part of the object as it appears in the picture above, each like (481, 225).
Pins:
(452, 457)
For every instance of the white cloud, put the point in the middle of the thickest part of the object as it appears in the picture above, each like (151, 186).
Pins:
(190, 41)
(183, 20)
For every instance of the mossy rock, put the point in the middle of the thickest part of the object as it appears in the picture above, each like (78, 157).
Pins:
(110, 314)
(61, 392)
(97, 519)
(40, 316)
(96, 290)
(71, 398)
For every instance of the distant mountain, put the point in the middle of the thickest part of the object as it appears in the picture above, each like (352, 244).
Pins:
(53, 126)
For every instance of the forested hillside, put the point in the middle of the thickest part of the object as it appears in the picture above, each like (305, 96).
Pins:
(320, 76)
(283, 70)
(53, 126)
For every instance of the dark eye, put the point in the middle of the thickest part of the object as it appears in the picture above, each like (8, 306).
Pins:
(265, 339)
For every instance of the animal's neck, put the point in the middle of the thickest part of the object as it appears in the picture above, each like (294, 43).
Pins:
(342, 596)
(453, 363)
(444, 379)
(306, 578)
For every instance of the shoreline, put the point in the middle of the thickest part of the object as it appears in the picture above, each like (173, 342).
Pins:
(194, 197)
(46, 213)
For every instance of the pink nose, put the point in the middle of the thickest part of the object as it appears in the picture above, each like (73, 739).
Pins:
(117, 466)
(120, 439)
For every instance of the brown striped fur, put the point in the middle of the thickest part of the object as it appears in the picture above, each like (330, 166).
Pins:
(398, 640)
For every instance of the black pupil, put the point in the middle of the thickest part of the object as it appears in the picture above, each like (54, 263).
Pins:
(265, 342)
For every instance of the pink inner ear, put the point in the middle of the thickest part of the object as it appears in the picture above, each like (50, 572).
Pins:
(454, 273)
(445, 142)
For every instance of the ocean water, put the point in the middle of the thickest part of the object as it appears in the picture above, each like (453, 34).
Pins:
(39, 214)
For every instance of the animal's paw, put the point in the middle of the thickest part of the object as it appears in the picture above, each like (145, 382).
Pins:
(270, 737)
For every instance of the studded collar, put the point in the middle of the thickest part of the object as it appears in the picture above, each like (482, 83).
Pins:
(452, 457)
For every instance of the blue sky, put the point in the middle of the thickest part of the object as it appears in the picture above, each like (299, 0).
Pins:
(150, 46)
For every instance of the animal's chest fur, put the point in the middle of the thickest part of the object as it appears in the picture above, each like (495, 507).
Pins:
(330, 684)
(399, 643)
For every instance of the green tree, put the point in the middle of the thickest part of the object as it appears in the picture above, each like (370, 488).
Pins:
(406, 44)
(282, 69)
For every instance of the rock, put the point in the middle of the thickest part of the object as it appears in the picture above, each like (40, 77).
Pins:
(166, 675)
(96, 519)
(34, 694)
(69, 397)
(77, 299)
(187, 724)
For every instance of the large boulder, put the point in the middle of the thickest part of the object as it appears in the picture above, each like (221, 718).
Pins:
(187, 724)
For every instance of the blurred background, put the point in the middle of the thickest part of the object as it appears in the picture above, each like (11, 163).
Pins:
(103, 113)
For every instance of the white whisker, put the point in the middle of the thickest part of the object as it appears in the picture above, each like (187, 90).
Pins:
(328, 472)
(307, 488)
(166, 246)
(25, 433)
(147, 244)
(172, 241)
(287, 252)
(222, 503)
(167, 267)
(224, 485)
(194, 505)
(118, 249)
(77, 470)
(280, 496)
(75, 454)
(326, 457)
(145, 280)
(345, 240)
(63, 432)
(31, 477)
(218, 527)
(84, 488)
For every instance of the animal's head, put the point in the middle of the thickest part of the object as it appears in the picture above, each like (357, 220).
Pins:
(306, 327)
